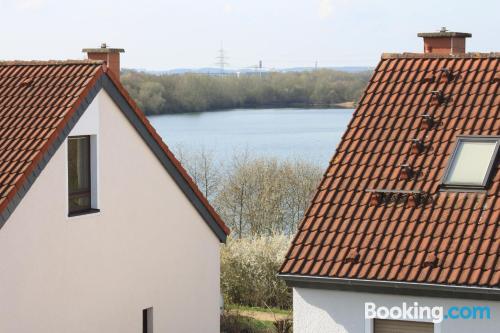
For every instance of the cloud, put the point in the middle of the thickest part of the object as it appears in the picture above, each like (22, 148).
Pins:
(29, 4)
(325, 8)
(228, 8)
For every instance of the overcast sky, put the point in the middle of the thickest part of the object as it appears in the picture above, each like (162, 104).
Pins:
(283, 33)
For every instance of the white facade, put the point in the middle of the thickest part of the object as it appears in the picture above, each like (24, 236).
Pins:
(331, 311)
(147, 247)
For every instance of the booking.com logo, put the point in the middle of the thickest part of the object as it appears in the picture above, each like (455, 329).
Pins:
(436, 314)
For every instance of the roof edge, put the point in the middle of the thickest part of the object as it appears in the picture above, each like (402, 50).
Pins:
(391, 287)
(165, 156)
(469, 55)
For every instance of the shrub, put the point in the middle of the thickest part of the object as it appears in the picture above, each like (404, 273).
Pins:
(233, 322)
(248, 271)
(283, 326)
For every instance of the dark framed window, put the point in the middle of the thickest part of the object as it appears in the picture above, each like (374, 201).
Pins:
(472, 162)
(401, 326)
(79, 175)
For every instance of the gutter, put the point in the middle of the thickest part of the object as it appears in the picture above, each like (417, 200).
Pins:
(391, 287)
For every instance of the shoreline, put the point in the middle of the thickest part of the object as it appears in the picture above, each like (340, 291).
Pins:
(344, 105)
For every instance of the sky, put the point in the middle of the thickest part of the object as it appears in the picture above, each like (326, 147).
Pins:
(167, 34)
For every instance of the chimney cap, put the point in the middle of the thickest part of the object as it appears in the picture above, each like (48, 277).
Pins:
(444, 33)
(103, 49)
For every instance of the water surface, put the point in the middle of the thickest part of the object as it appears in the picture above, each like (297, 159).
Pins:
(311, 134)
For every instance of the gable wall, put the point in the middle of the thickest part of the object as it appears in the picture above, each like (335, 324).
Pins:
(95, 273)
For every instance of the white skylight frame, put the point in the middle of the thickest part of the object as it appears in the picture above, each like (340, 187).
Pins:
(491, 166)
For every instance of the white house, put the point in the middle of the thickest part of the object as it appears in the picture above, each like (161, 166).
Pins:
(102, 230)
(403, 233)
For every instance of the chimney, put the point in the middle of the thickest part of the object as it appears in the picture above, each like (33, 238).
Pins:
(444, 41)
(109, 55)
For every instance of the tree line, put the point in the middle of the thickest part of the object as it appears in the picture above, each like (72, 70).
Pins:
(162, 94)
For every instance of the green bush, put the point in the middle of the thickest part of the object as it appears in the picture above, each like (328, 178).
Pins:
(248, 271)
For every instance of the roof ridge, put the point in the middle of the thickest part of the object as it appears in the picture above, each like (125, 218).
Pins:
(50, 62)
(414, 55)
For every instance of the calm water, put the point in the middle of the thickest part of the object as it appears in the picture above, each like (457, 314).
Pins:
(284, 133)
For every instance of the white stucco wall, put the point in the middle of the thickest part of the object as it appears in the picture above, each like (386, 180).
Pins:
(148, 247)
(328, 311)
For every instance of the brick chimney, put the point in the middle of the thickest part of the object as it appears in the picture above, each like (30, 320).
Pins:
(109, 55)
(444, 41)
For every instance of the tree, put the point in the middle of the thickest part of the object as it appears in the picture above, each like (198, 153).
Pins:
(160, 94)
(202, 167)
(265, 196)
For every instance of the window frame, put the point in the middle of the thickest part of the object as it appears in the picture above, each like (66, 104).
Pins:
(433, 326)
(88, 192)
(487, 177)
(147, 320)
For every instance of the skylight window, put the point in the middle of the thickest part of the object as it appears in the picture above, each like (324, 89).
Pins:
(472, 162)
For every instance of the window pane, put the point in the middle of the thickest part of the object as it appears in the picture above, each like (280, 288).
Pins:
(471, 162)
(79, 173)
(79, 164)
(79, 203)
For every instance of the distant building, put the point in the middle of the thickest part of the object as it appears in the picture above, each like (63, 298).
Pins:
(102, 230)
(408, 210)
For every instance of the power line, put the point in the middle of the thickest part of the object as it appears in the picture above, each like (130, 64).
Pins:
(221, 59)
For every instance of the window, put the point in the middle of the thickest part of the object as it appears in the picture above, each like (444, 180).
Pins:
(79, 175)
(472, 162)
(402, 326)
(147, 320)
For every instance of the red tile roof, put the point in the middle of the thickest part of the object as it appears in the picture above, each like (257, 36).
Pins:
(450, 239)
(37, 103)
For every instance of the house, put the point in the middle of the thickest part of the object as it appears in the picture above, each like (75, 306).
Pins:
(102, 230)
(403, 232)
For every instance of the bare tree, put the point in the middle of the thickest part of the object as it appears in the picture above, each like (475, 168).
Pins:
(265, 196)
(203, 168)
(254, 196)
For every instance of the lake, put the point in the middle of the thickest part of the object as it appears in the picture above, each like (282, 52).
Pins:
(311, 134)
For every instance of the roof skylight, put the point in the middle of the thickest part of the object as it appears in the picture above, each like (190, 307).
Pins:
(472, 162)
